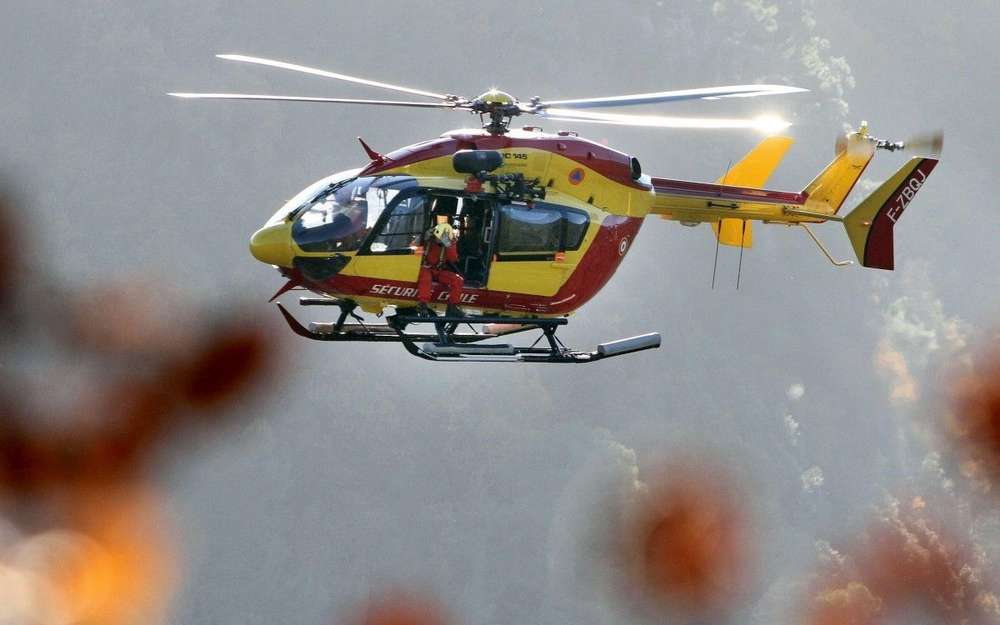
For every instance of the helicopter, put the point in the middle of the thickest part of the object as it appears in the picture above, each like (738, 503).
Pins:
(543, 220)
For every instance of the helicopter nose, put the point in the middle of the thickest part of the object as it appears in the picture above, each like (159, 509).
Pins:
(273, 245)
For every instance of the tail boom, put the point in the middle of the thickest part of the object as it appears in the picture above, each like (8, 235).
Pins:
(730, 208)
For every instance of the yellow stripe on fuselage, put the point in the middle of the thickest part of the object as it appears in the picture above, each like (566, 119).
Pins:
(553, 172)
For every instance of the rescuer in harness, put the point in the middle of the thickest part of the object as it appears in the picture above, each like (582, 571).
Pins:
(440, 265)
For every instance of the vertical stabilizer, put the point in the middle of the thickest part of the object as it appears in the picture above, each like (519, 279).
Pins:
(870, 225)
(826, 194)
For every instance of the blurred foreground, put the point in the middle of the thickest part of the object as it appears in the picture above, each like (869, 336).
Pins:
(109, 382)
(96, 390)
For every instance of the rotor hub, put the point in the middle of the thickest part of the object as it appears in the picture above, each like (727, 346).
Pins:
(495, 97)
(500, 106)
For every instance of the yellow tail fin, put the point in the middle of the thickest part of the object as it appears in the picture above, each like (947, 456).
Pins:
(752, 171)
(826, 194)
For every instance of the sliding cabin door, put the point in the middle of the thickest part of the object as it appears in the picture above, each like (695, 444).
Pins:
(530, 247)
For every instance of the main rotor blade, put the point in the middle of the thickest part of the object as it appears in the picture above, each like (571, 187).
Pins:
(287, 98)
(706, 93)
(765, 124)
(320, 72)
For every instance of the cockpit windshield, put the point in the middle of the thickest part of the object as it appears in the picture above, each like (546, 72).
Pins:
(310, 192)
(340, 217)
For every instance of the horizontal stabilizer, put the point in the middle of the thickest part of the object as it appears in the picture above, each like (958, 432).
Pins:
(752, 171)
(870, 225)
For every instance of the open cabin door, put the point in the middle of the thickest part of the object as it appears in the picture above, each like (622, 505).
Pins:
(477, 227)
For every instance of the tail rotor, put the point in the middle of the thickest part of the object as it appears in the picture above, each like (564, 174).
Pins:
(926, 144)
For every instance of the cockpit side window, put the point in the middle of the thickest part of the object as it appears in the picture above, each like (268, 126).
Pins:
(340, 217)
(402, 230)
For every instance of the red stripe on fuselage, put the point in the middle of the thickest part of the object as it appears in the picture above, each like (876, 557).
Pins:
(667, 186)
(601, 159)
(593, 271)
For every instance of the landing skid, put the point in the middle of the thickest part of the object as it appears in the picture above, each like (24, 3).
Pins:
(448, 342)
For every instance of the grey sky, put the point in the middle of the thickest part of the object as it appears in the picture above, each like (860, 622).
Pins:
(365, 466)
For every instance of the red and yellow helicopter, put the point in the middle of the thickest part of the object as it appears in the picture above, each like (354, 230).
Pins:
(543, 220)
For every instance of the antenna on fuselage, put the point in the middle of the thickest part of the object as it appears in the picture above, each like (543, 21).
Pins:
(715, 265)
(718, 235)
(743, 238)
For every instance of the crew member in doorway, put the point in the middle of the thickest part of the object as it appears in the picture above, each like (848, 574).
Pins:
(440, 265)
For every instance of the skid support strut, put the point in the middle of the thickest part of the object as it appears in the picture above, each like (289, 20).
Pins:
(445, 342)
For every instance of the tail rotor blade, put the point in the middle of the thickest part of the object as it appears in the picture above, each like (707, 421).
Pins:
(929, 143)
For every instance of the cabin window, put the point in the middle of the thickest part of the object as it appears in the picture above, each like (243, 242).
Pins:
(540, 231)
(529, 230)
(576, 227)
(403, 230)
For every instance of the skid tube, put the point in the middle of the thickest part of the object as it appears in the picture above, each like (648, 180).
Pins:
(447, 344)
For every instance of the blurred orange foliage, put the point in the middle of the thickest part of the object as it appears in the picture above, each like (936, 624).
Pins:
(401, 608)
(687, 544)
(82, 535)
(906, 561)
(972, 425)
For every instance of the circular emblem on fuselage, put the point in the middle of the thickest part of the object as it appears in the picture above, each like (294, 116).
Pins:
(576, 176)
(623, 246)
